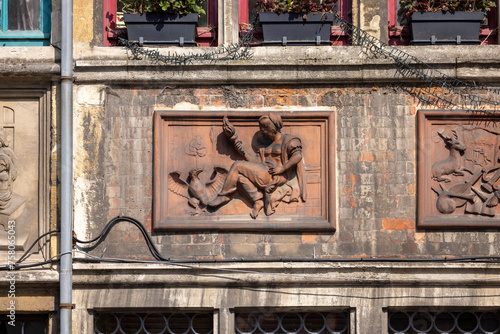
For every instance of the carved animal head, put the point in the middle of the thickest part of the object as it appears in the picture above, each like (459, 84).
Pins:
(193, 173)
(452, 142)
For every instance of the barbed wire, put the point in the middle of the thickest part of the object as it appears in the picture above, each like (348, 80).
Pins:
(237, 51)
(438, 93)
(410, 67)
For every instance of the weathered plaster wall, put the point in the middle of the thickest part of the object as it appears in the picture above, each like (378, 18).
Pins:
(376, 174)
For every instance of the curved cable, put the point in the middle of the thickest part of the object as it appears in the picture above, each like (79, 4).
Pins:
(159, 258)
(149, 242)
(22, 258)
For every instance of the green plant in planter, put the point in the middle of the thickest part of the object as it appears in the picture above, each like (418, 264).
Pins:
(296, 6)
(296, 22)
(444, 22)
(407, 7)
(163, 6)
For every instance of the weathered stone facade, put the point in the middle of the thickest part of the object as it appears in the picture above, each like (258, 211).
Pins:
(374, 260)
(376, 165)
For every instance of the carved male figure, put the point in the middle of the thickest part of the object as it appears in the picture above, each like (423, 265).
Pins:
(261, 177)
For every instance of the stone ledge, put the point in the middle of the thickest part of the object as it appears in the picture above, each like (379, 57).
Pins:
(289, 273)
(286, 65)
(31, 276)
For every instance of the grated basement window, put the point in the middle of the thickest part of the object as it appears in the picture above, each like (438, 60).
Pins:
(444, 322)
(154, 323)
(292, 323)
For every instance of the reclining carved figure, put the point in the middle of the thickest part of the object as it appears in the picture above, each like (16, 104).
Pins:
(266, 178)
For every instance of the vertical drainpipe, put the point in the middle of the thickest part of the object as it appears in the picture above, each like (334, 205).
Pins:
(65, 274)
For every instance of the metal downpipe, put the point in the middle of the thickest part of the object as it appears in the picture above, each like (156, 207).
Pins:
(66, 270)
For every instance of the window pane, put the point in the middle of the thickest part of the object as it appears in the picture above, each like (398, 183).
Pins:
(23, 14)
(35, 327)
(203, 21)
(252, 12)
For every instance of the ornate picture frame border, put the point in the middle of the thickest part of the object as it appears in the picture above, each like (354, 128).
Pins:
(161, 222)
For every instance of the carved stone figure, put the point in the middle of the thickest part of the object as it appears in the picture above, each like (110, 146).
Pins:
(196, 147)
(265, 178)
(11, 206)
(451, 165)
(195, 190)
(8, 173)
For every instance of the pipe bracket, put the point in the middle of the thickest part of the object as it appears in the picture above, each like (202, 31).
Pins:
(67, 306)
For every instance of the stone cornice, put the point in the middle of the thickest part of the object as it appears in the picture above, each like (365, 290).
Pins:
(288, 273)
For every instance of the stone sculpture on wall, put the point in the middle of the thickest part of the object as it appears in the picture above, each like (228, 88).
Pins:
(8, 172)
(24, 149)
(197, 192)
(266, 178)
(11, 206)
(464, 171)
(236, 172)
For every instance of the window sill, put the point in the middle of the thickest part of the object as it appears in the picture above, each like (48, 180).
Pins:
(28, 61)
(291, 64)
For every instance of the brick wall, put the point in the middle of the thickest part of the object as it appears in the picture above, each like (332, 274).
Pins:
(375, 186)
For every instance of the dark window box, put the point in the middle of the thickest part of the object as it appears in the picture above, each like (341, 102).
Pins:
(445, 28)
(293, 29)
(162, 29)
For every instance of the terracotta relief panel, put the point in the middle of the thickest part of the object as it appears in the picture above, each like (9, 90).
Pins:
(458, 169)
(243, 171)
(23, 167)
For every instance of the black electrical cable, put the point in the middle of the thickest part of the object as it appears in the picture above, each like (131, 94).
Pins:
(22, 258)
(159, 258)
(152, 248)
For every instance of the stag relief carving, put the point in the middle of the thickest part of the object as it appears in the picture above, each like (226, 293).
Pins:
(477, 190)
(452, 164)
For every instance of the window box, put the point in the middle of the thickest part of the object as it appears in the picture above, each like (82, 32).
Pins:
(399, 32)
(338, 36)
(445, 28)
(294, 29)
(162, 29)
(113, 24)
